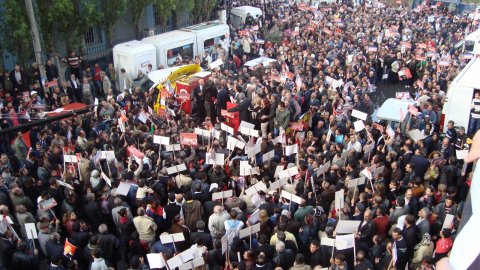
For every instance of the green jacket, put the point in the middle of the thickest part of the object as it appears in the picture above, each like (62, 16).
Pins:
(282, 118)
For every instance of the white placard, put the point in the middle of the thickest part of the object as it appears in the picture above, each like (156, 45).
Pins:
(323, 169)
(215, 159)
(278, 184)
(416, 135)
(31, 231)
(202, 132)
(260, 186)
(176, 169)
(347, 226)
(448, 222)
(461, 154)
(142, 117)
(109, 155)
(177, 261)
(289, 196)
(192, 264)
(224, 241)
(70, 158)
(326, 241)
(216, 134)
(279, 139)
(367, 173)
(222, 194)
(123, 188)
(227, 128)
(254, 217)
(161, 140)
(252, 151)
(249, 231)
(360, 115)
(155, 260)
(288, 172)
(356, 182)
(359, 125)
(339, 199)
(247, 125)
(169, 238)
(379, 170)
(291, 149)
(173, 147)
(345, 241)
(67, 185)
(249, 132)
(216, 63)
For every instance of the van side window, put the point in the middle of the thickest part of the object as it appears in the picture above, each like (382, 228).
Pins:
(185, 52)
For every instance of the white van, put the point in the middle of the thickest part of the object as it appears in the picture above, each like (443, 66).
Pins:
(208, 35)
(169, 46)
(471, 44)
(133, 56)
(459, 96)
(239, 14)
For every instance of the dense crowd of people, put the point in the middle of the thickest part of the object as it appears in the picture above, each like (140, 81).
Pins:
(99, 189)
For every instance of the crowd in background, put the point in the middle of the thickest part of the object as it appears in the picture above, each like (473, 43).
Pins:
(401, 210)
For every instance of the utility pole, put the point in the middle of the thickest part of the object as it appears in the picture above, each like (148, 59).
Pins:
(37, 47)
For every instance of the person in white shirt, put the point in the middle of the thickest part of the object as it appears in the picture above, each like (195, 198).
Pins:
(353, 143)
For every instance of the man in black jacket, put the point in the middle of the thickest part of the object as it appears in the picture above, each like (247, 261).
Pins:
(242, 108)
(201, 234)
(198, 92)
(284, 257)
(171, 210)
(410, 233)
(400, 244)
(110, 246)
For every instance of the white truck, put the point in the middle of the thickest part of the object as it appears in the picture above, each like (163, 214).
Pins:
(459, 96)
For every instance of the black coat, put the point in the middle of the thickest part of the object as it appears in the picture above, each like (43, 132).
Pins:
(206, 237)
(284, 259)
(23, 261)
(222, 99)
(110, 246)
(53, 249)
(242, 109)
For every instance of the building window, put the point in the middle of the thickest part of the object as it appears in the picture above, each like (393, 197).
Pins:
(92, 36)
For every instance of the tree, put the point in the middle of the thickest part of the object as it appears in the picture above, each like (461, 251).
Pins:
(181, 6)
(111, 12)
(15, 30)
(137, 9)
(202, 10)
(164, 9)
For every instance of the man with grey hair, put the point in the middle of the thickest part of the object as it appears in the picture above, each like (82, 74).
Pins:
(201, 234)
(109, 244)
(216, 222)
(284, 257)
(145, 226)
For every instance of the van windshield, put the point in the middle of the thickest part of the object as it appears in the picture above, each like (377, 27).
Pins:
(184, 51)
(469, 45)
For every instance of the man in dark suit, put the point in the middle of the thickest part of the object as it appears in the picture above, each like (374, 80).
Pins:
(265, 247)
(19, 79)
(201, 234)
(199, 195)
(422, 223)
(198, 92)
(410, 233)
(222, 99)
(242, 108)
(399, 210)
(366, 230)
(76, 87)
(420, 161)
(171, 210)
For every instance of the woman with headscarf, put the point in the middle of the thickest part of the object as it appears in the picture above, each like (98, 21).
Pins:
(422, 250)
